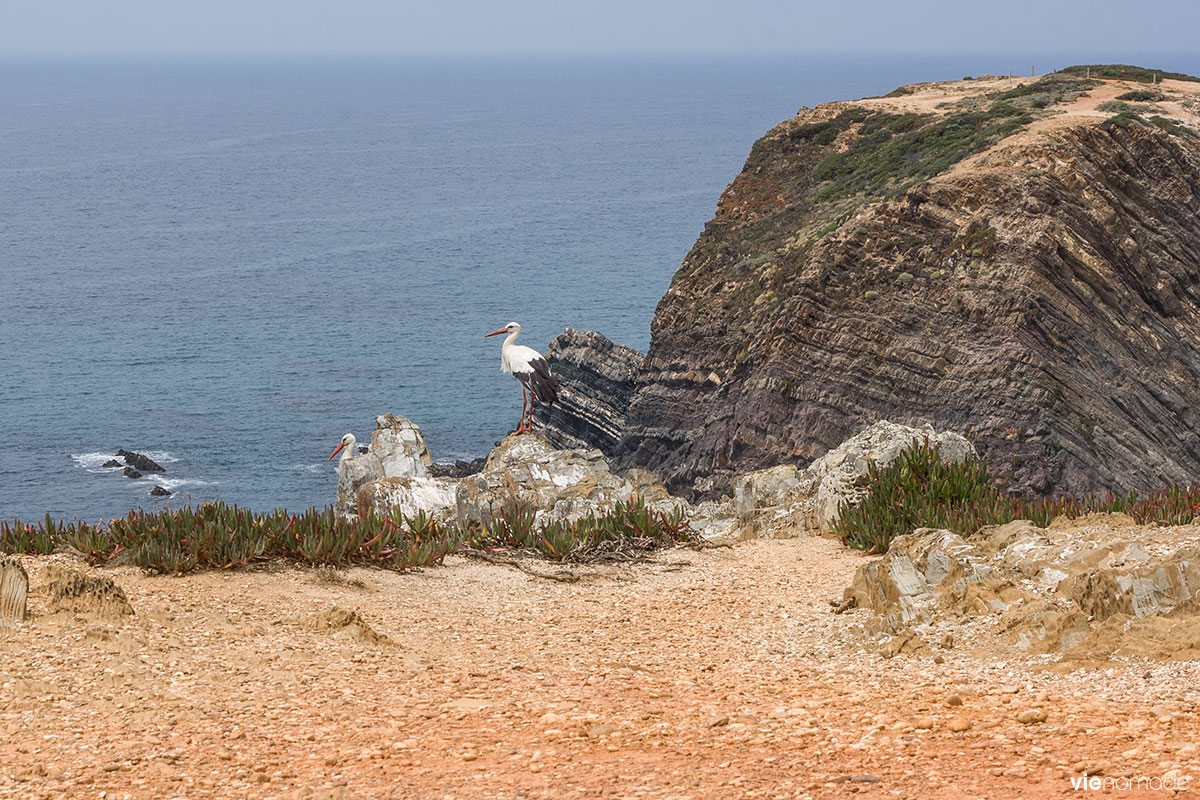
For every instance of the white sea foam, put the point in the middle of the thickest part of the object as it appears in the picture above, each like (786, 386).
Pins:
(318, 467)
(176, 483)
(92, 462)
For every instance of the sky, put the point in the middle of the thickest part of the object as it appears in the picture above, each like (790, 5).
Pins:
(337, 27)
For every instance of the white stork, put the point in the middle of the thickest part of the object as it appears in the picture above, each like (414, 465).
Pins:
(530, 369)
(350, 444)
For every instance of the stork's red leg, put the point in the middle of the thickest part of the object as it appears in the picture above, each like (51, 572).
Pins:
(521, 424)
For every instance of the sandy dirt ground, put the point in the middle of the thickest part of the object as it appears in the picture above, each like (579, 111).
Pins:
(703, 674)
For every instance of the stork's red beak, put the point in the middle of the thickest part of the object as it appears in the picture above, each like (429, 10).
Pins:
(335, 452)
(496, 333)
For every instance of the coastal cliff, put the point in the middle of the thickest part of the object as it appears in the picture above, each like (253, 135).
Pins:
(1013, 259)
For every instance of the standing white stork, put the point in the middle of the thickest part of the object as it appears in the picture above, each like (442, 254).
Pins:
(530, 369)
(350, 444)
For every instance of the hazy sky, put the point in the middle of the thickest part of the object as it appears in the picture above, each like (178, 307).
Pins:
(490, 26)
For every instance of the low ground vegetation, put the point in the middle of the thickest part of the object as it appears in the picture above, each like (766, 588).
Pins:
(220, 536)
(919, 490)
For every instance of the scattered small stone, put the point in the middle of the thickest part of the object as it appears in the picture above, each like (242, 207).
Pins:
(954, 700)
(1031, 716)
(958, 725)
(596, 731)
(865, 779)
(716, 722)
(923, 723)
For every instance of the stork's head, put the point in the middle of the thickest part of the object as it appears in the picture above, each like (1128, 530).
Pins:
(511, 327)
(347, 441)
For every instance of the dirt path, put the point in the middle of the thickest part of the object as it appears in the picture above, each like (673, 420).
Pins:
(711, 674)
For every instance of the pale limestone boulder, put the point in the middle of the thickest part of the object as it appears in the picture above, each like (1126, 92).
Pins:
(840, 475)
(397, 450)
(764, 488)
(561, 484)
(437, 497)
(1084, 588)
(14, 587)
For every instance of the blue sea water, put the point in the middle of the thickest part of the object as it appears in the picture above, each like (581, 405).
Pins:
(227, 264)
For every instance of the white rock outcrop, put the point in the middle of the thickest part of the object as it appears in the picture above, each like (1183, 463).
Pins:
(840, 475)
(394, 477)
(397, 451)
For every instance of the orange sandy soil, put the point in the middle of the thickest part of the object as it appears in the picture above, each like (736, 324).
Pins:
(710, 674)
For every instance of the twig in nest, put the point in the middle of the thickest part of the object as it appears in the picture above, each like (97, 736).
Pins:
(562, 576)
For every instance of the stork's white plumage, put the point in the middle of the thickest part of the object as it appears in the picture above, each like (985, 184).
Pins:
(530, 369)
(350, 445)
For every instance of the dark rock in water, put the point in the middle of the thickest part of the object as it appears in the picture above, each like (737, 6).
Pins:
(596, 379)
(140, 461)
(159, 491)
(130, 472)
(112, 462)
(459, 469)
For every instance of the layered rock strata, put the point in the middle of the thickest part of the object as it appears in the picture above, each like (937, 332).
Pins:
(1015, 260)
(597, 380)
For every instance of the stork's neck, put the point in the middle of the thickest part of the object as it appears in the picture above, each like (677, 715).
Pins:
(512, 337)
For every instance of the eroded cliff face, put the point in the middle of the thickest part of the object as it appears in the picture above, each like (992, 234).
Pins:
(1017, 261)
(597, 379)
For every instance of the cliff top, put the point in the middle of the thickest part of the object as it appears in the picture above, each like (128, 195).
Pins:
(885, 145)
(1056, 100)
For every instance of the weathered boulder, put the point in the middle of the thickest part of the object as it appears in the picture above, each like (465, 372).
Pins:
(14, 588)
(839, 476)
(160, 491)
(559, 484)
(410, 496)
(562, 484)
(1086, 588)
(130, 472)
(766, 487)
(772, 501)
(76, 592)
(397, 450)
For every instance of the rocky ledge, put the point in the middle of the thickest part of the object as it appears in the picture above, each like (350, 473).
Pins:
(1087, 589)
(394, 476)
(1013, 259)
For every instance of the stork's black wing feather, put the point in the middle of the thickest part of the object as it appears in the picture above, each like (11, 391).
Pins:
(542, 384)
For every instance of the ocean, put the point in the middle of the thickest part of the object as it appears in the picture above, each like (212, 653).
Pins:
(227, 264)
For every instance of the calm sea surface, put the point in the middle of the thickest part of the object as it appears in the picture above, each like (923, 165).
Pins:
(229, 264)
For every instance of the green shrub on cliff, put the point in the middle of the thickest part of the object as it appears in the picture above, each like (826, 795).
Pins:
(919, 490)
(1126, 72)
(1141, 96)
(894, 151)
